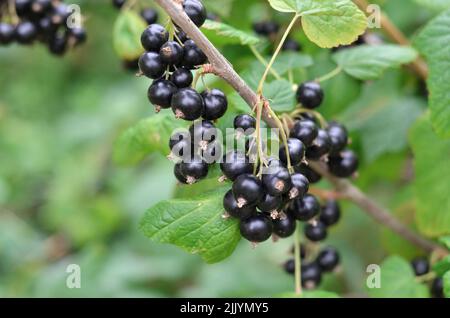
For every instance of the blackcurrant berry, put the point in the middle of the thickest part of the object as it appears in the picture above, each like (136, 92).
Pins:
(118, 3)
(58, 44)
(311, 275)
(194, 169)
(305, 131)
(231, 207)
(310, 174)
(213, 152)
(300, 186)
(182, 36)
(289, 266)
(284, 227)
(304, 209)
(60, 14)
(202, 133)
(247, 189)
(331, 213)
(320, 146)
(437, 288)
(328, 259)
(182, 77)
(78, 34)
(26, 32)
(180, 145)
(266, 28)
(235, 163)
(257, 228)
(171, 53)
(149, 15)
(23, 7)
(344, 165)
(6, 33)
(153, 37)
(216, 104)
(160, 93)
(296, 151)
(245, 123)
(310, 95)
(291, 45)
(278, 182)
(338, 137)
(178, 175)
(151, 65)
(187, 104)
(195, 11)
(269, 203)
(316, 231)
(41, 6)
(420, 266)
(193, 55)
(131, 65)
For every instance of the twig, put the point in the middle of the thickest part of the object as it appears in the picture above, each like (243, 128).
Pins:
(419, 66)
(224, 69)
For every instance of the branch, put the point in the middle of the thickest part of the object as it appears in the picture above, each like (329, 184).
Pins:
(419, 66)
(224, 69)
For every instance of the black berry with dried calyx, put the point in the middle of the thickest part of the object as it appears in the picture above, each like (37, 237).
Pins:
(187, 104)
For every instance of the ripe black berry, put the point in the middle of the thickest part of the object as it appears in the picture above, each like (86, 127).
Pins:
(269, 203)
(316, 232)
(266, 28)
(309, 173)
(257, 228)
(289, 266)
(437, 288)
(311, 275)
(23, 7)
(26, 32)
(291, 45)
(344, 165)
(118, 3)
(246, 123)
(171, 53)
(153, 37)
(160, 93)
(187, 104)
(202, 133)
(284, 227)
(304, 209)
(296, 151)
(277, 182)
(310, 95)
(151, 65)
(41, 6)
(149, 15)
(247, 189)
(195, 11)
(182, 77)
(328, 259)
(213, 152)
(216, 104)
(194, 169)
(231, 207)
(6, 33)
(338, 137)
(331, 213)
(320, 146)
(420, 266)
(305, 131)
(182, 36)
(193, 56)
(235, 163)
(177, 172)
(78, 34)
(58, 44)
(60, 14)
(300, 186)
(180, 145)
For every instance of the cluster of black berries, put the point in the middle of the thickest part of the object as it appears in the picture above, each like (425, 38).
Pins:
(39, 20)
(328, 144)
(270, 30)
(150, 16)
(421, 267)
(314, 265)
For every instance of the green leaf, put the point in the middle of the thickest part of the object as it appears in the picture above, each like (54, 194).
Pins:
(278, 92)
(432, 186)
(446, 279)
(432, 42)
(368, 62)
(149, 135)
(310, 294)
(195, 225)
(443, 266)
(289, 61)
(445, 240)
(229, 34)
(398, 281)
(127, 35)
(435, 4)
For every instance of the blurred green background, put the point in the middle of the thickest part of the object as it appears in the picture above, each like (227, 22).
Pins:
(63, 200)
